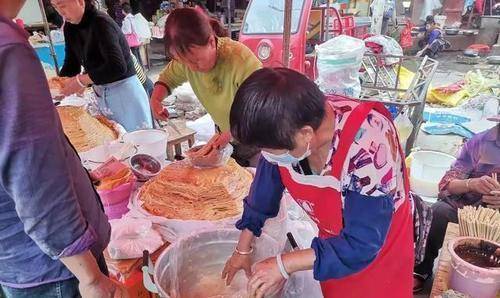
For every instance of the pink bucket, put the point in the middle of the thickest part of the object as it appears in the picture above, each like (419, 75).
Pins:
(115, 200)
(466, 278)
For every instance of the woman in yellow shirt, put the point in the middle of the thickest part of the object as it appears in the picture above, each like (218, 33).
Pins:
(213, 64)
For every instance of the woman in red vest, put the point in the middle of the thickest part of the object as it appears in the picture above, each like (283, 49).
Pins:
(341, 162)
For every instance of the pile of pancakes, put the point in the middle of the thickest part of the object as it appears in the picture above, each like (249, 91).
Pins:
(84, 131)
(183, 192)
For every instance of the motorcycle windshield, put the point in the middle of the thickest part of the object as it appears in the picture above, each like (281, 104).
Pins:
(267, 17)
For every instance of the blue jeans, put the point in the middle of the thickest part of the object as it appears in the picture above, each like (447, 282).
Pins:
(59, 289)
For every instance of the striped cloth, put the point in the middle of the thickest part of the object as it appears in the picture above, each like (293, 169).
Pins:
(138, 69)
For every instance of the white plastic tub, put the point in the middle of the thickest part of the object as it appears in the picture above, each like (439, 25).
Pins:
(426, 171)
(149, 141)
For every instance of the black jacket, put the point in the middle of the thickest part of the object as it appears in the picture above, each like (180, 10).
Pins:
(97, 44)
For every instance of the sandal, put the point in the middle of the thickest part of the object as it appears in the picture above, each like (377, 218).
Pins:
(419, 281)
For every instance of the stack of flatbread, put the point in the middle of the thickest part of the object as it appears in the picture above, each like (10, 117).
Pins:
(84, 131)
(183, 192)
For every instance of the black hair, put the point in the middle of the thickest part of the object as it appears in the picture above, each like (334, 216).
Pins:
(90, 3)
(430, 20)
(272, 105)
(186, 27)
(126, 7)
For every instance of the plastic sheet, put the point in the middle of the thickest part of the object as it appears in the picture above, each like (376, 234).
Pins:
(339, 60)
(130, 237)
(173, 229)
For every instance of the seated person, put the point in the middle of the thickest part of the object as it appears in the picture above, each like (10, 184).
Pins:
(468, 182)
(433, 41)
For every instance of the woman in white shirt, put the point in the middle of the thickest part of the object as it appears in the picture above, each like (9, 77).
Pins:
(128, 28)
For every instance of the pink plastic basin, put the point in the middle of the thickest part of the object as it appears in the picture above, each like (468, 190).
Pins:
(466, 278)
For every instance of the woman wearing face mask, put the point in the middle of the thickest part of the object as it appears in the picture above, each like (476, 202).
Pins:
(95, 42)
(214, 65)
(341, 162)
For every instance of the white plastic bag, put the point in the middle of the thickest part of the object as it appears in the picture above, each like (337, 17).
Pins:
(339, 60)
(142, 27)
(131, 236)
(389, 47)
(404, 127)
(204, 127)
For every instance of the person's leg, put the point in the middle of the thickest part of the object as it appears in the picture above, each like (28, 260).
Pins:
(148, 86)
(385, 26)
(61, 289)
(442, 214)
(137, 53)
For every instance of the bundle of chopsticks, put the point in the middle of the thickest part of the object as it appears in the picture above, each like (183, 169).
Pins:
(479, 222)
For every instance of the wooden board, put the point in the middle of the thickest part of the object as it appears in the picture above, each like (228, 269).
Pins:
(442, 277)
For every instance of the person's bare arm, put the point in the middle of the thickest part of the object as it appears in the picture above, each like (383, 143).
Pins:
(159, 93)
(92, 282)
(482, 185)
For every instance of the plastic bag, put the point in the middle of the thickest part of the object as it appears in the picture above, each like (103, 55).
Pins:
(446, 98)
(389, 47)
(204, 127)
(444, 129)
(172, 229)
(339, 61)
(220, 159)
(142, 27)
(404, 127)
(130, 237)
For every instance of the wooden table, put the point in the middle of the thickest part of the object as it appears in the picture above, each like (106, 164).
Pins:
(176, 138)
(442, 277)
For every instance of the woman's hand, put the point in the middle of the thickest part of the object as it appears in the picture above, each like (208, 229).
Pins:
(483, 185)
(236, 263)
(71, 86)
(492, 201)
(159, 111)
(222, 140)
(102, 287)
(266, 280)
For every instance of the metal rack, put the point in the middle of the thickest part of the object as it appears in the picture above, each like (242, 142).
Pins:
(380, 81)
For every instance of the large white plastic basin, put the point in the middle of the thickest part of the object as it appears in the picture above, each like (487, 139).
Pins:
(149, 141)
(426, 171)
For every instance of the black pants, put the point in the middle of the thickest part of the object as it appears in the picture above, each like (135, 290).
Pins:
(442, 214)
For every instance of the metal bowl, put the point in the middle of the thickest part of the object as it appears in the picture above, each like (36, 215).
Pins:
(451, 31)
(468, 32)
(144, 167)
(191, 267)
(493, 60)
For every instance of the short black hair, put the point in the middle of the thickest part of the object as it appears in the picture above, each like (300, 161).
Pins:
(429, 20)
(126, 7)
(272, 105)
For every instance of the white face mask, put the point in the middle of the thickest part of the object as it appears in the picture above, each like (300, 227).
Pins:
(285, 158)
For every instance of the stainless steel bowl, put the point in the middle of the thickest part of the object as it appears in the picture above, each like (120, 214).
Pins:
(144, 166)
(194, 264)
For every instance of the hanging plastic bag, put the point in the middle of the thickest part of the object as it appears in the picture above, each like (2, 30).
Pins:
(404, 126)
(131, 236)
(142, 27)
(338, 63)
